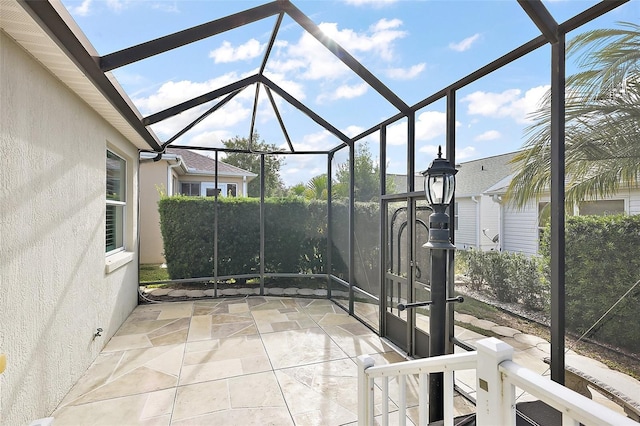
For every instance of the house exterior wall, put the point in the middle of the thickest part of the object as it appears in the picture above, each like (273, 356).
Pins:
(489, 220)
(241, 188)
(153, 175)
(466, 236)
(520, 229)
(54, 287)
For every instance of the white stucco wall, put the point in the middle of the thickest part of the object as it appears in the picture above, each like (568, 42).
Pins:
(54, 291)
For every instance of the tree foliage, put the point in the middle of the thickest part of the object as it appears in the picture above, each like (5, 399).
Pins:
(366, 176)
(251, 162)
(602, 129)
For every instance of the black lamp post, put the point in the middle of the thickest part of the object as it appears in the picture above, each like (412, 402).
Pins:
(439, 185)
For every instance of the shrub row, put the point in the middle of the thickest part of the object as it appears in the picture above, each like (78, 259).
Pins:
(295, 237)
(602, 264)
(508, 277)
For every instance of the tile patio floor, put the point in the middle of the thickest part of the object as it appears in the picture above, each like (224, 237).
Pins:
(251, 361)
(263, 361)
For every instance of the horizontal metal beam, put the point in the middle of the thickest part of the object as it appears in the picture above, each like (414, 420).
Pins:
(177, 109)
(61, 32)
(172, 41)
(542, 18)
(302, 107)
(344, 56)
(590, 14)
(246, 151)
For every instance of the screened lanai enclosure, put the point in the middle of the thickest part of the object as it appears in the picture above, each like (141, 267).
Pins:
(364, 253)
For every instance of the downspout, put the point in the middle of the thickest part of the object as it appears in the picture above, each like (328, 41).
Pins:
(498, 199)
(170, 175)
(478, 224)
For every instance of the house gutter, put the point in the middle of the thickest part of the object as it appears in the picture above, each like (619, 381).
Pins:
(170, 175)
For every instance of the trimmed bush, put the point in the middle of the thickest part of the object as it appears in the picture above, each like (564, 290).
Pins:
(508, 277)
(295, 237)
(602, 263)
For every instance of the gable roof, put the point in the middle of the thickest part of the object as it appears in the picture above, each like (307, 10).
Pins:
(477, 176)
(201, 164)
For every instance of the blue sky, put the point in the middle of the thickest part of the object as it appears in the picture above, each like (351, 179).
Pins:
(414, 47)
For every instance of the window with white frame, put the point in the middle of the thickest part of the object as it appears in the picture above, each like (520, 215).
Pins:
(190, 188)
(116, 202)
(601, 207)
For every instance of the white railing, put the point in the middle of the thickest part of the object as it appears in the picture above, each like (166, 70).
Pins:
(497, 377)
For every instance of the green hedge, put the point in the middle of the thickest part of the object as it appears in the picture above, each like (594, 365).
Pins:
(508, 277)
(295, 237)
(603, 263)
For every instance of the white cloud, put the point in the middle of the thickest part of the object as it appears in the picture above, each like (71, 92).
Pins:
(82, 10)
(488, 136)
(344, 92)
(465, 153)
(510, 103)
(293, 88)
(464, 44)
(370, 2)
(166, 6)
(406, 73)
(313, 61)
(117, 5)
(429, 125)
(212, 139)
(227, 53)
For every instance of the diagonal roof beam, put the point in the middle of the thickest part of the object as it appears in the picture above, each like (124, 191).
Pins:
(177, 109)
(279, 117)
(542, 18)
(274, 34)
(296, 103)
(203, 116)
(345, 57)
(172, 41)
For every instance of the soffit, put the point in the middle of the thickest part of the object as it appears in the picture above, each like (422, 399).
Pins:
(21, 27)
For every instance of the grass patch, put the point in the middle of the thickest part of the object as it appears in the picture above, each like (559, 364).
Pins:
(149, 272)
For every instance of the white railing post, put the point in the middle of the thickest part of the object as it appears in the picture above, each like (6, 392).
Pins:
(495, 402)
(365, 391)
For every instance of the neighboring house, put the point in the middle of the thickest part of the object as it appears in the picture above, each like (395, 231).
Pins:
(485, 221)
(180, 171)
(477, 213)
(520, 229)
(68, 215)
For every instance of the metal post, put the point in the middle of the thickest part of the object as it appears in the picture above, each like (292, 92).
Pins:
(215, 231)
(262, 227)
(451, 155)
(557, 210)
(437, 337)
(352, 208)
(328, 265)
(382, 261)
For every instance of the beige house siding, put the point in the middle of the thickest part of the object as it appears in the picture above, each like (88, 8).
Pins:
(153, 176)
(159, 175)
(54, 288)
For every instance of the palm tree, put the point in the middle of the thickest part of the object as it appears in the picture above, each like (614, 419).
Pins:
(602, 129)
(317, 188)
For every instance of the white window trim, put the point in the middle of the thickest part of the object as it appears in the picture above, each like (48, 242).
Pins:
(119, 257)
